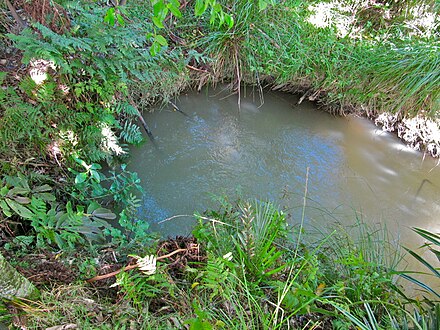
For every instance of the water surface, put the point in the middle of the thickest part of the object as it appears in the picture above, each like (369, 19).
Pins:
(265, 150)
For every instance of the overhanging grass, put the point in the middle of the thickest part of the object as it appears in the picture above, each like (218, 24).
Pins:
(363, 75)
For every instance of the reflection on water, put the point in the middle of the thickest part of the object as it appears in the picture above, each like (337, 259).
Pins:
(264, 152)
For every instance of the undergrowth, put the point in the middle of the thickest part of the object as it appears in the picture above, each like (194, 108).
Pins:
(256, 273)
(88, 72)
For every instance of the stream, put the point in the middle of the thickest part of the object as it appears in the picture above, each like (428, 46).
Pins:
(274, 149)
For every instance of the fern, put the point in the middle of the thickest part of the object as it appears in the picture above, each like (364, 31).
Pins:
(131, 133)
(95, 67)
(125, 108)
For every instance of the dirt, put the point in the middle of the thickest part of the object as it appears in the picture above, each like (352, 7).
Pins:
(10, 60)
(44, 269)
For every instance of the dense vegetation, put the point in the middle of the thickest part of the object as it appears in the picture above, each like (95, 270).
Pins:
(76, 76)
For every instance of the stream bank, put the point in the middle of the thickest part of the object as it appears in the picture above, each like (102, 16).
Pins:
(90, 66)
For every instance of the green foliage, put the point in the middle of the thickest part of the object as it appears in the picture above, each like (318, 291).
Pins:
(21, 123)
(254, 229)
(219, 271)
(139, 289)
(5, 316)
(202, 320)
(119, 189)
(78, 78)
(346, 69)
(223, 291)
(53, 225)
(249, 255)
(131, 133)
(113, 15)
(254, 277)
(428, 317)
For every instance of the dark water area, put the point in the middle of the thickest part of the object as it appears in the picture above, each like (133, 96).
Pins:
(265, 150)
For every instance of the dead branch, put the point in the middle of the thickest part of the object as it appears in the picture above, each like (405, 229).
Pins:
(101, 277)
(196, 69)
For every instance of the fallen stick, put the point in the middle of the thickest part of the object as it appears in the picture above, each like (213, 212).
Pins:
(101, 277)
(178, 110)
(144, 124)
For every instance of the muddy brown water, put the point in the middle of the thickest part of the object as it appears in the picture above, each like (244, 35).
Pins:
(265, 149)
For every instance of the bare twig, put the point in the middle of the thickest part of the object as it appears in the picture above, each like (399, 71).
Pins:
(196, 69)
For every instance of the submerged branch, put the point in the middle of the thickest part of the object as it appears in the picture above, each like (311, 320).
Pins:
(143, 122)
(176, 108)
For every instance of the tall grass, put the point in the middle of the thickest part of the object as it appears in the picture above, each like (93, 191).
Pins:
(410, 76)
(335, 279)
(255, 275)
(278, 45)
(428, 316)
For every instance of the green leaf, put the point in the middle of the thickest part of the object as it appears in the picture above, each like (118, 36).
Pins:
(155, 48)
(5, 208)
(424, 262)
(95, 166)
(92, 207)
(80, 178)
(22, 200)
(174, 10)
(419, 283)
(262, 4)
(95, 175)
(47, 197)
(436, 252)
(4, 191)
(200, 7)
(175, 3)
(103, 213)
(18, 191)
(433, 238)
(59, 241)
(158, 22)
(21, 210)
(161, 40)
(109, 17)
(61, 218)
(43, 188)
(81, 162)
(229, 20)
(26, 240)
(158, 8)
(120, 20)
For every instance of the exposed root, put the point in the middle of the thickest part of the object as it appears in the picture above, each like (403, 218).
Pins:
(420, 133)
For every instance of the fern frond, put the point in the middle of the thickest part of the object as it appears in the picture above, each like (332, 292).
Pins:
(131, 133)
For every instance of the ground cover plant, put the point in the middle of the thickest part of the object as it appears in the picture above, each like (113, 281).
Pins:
(75, 77)
(244, 269)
